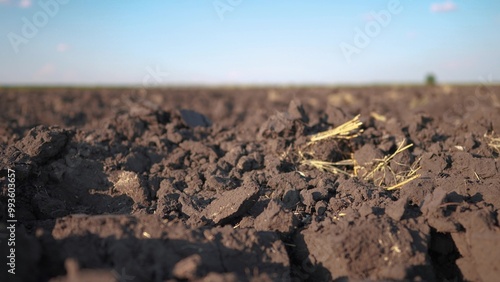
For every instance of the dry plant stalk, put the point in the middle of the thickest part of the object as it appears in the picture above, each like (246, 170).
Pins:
(378, 116)
(332, 167)
(384, 163)
(493, 142)
(349, 130)
(406, 177)
(346, 130)
(383, 167)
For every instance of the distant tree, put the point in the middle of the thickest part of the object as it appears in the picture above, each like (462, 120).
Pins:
(430, 80)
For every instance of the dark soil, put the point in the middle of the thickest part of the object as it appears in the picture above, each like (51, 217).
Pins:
(205, 185)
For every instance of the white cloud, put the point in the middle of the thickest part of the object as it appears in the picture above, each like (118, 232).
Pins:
(25, 3)
(62, 47)
(443, 7)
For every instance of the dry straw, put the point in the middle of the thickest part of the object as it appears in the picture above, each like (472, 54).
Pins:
(378, 174)
(381, 167)
(493, 142)
(333, 167)
(348, 130)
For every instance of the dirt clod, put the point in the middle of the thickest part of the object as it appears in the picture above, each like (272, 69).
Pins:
(232, 204)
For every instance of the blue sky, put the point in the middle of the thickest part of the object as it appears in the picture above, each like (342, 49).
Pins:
(162, 42)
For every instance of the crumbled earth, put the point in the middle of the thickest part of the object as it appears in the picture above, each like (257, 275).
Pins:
(206, 184)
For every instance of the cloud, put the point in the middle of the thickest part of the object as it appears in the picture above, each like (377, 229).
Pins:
(443, 7)
(25, 3)
(62, 47)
